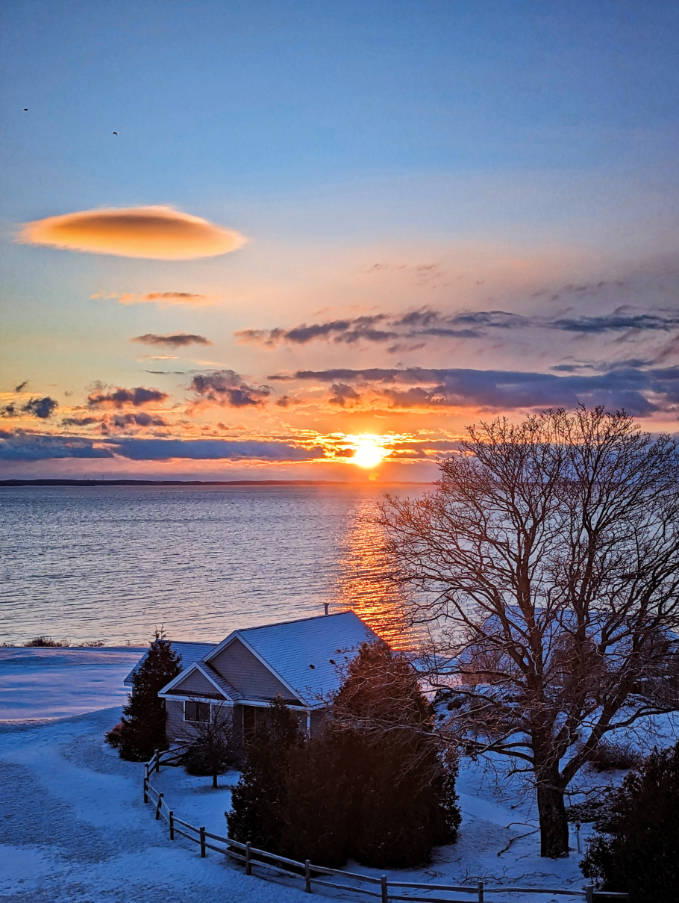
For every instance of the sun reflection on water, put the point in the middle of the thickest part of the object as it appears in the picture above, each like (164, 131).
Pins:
(364, 584)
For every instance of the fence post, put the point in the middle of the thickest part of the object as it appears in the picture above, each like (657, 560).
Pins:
(146, 789)
(248, 865)
(158, 805)
(589, 893)
(171, 821)
(202, 842)
(481, 895)
(384, 888)
(307, 876)
(157, 761)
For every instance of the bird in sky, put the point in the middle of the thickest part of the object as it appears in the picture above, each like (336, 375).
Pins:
(115, 133)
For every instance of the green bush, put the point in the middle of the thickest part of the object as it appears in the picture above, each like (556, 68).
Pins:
(259, 800)
(143, 721)
(114, 736)
(377, 786)
(635, 848)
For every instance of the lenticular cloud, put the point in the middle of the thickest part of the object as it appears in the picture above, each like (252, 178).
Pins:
(159, 233)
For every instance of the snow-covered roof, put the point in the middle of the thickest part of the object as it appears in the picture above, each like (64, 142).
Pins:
(190, 654)
(307, 655)
(222, 683)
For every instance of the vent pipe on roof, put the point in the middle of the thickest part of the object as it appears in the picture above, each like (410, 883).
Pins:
(326, 606)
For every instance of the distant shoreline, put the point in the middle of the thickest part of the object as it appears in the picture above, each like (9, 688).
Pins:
(61, 482)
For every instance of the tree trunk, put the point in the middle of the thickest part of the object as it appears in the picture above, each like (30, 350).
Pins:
(553, 821)
(214, 780)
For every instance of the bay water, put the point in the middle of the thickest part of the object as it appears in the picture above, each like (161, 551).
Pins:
(113, 563)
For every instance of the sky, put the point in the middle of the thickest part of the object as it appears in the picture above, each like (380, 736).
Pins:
(276, 240)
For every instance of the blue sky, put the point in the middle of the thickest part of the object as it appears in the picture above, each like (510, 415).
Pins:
(512, 148)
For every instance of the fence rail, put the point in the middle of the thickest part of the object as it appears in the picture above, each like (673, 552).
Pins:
(381, 888)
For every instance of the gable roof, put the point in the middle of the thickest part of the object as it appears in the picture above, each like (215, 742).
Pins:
(220, 685)
(190, 653)
(306, 655)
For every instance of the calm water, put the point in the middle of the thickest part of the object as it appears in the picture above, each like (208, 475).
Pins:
(112, 563)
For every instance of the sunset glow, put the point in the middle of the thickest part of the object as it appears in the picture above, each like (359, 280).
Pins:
(369, 452)
(246, 287)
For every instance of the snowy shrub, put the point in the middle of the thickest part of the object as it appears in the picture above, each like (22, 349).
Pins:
(609, 756)
(635, 849)
(46, 642)
(588, 811)
(114, 736)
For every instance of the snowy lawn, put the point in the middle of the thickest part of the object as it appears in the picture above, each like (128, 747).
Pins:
(46, 683)
(73, 826)
(498, 840)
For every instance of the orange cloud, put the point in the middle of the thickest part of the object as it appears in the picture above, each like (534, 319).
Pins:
(158, 233)
(162, 299)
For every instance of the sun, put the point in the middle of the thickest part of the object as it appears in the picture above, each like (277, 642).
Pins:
(369, 452)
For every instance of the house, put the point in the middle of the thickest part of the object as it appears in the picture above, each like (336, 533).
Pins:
(301, 662)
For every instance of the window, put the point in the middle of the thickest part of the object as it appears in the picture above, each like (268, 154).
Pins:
(196, 711)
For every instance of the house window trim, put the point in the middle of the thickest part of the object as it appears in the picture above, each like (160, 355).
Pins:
(198, 702)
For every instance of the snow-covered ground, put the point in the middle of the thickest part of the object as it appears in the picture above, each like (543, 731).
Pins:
(41, 683)
(73, 826)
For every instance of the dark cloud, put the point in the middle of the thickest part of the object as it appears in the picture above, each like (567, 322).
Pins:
(80, 421)
(347, 331)
(427, 322)
(210, 449)
(42, 408)
(120, 421)
(641, 392)
(226, 387)
(21, 386)
(22, 446)
(177, 340)
(616, 323)
(118, 398)
(341, 393)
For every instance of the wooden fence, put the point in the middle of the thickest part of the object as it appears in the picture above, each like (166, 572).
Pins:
(313, 876)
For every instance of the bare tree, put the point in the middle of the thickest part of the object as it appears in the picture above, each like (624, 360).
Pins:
(212, 749)
(546, 564)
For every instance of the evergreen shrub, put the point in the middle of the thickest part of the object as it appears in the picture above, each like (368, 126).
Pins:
(377, 785)
(143, 721)
(635, 848)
